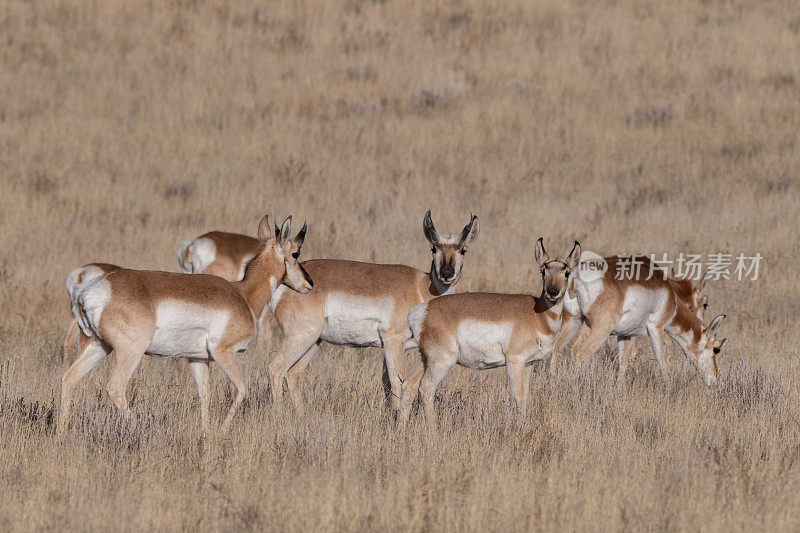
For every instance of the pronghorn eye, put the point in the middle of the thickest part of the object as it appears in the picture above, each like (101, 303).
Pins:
(296, 255)
(716, 351)
(433, 249)
(705, 306)
(463, 251)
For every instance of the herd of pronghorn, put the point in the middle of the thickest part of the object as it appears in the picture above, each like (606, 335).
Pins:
(212, 311)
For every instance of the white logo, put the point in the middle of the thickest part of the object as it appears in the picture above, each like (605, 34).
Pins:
(592, 266)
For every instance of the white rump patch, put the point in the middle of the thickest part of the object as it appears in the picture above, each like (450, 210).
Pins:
(641, 307)
(85, 274)
(355, 320)
(483, 344)
(202, 252)
(186, 330)
(88, 301)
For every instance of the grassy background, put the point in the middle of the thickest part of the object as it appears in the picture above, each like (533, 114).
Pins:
(627, 125)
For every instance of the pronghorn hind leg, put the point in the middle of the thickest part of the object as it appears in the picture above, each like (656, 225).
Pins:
(293, 347)
(293, 376)
(126, 360)
(91, 352)
(626, 352)
(70, 338)
(588, 344)
(226, 358)
(200, 371)
(409, 392)
(431, 378)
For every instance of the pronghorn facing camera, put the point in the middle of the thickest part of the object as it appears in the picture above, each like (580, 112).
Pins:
(637, 308)
(77, 276)
(362, 304)
(218, 253)
(483, 330)
(198, 317)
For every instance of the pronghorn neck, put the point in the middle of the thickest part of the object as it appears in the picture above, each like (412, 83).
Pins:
(438, 288)
(262, 276)
(685, 328)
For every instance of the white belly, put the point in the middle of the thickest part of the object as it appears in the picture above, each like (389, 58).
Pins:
(186, 330)
(355, 320)
(640, 308)
(482, 344)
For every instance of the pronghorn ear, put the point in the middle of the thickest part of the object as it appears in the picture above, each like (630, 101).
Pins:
(703, 283)
(430, 230)
(277, 231)
(540, 254)
(301, 235)
(285, 230)
(263, 229)
(470, 231)
(574, 256)
(714, 325)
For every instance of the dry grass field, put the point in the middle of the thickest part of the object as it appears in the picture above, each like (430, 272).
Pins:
(631, 126)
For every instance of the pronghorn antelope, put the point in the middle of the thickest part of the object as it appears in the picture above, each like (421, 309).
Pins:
(483, 330)
(198, 317)
(693, 296)
(360, 305)
(218, 253)
(637, 308)
(77, 276)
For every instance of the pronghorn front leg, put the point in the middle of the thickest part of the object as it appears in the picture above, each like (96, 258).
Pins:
(657, 340)
(566, 335)
(393, 348)
(226, 358)
(625, 350)
(516, 371)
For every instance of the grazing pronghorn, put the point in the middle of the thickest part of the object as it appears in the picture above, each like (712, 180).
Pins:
(75, 277)
(483, 330)
(637, 308)
(693, 296)
(362, 304)
(198, 317)
(218, 253)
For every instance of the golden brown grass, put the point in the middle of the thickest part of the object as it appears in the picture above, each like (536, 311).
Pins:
(630, 126)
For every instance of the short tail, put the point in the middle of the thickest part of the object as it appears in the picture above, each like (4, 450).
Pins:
(416, 316)
(78, 311)
(185, 257)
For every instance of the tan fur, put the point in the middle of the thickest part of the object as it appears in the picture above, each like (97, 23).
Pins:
(678, 317)
(72, 332)
(530, 323)
(301, 317)
(128, 320)
(233, 251)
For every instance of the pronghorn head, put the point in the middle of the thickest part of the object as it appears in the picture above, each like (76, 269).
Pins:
(287, 251)
(448, 250)
(555, 273)
(707, 350)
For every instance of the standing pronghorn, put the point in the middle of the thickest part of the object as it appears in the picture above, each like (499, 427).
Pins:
(218, 253)
(360, 305)
(483, 330)
(77, 276)
(637, 308)
(693, 296)
(163, 314)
